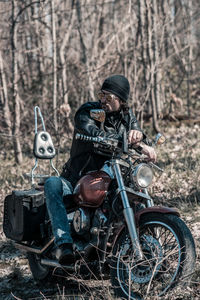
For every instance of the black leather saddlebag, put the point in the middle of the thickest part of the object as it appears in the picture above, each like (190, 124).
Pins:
(24, 212)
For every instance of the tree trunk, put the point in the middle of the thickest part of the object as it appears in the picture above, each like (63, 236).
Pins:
(152, 62)
(4, 97)
(53, 26)
(85, 55)
(65, 108)
(16, 99)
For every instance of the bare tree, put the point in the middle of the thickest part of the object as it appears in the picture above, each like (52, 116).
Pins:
(61, 51)
(15, 78)
(4, 97)
(54, 46)
(65, 108)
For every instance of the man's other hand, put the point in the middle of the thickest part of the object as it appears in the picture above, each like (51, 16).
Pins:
(135, 136)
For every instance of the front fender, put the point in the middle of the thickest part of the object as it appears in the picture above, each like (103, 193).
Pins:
(155, 209)
(140, 213)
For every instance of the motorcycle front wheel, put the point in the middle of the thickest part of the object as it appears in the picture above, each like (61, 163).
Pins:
(169, 258)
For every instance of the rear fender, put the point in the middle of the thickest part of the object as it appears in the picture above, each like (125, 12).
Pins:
(142, 212)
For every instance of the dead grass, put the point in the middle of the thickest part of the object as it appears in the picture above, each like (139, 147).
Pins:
(178, 186)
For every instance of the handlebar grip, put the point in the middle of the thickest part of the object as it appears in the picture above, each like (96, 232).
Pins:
(108, 143)
(84, 137)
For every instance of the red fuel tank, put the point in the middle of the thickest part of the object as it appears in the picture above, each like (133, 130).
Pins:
(91, 189)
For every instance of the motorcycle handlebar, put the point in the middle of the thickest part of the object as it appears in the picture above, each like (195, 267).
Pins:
(103, 141)
(100, 140)
(109, 142)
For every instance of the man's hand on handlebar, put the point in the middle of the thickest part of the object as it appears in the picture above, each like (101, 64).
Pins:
(149, 152)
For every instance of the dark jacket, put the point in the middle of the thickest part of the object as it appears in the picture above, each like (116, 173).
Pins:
(83, 157)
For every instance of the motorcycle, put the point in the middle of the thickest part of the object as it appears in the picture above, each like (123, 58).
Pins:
(117, 230)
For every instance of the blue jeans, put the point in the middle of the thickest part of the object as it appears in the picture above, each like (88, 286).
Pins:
(55, 188)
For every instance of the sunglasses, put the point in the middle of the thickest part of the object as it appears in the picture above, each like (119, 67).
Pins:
(107, 96)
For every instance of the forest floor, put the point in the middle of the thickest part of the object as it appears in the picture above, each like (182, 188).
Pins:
(178, 186)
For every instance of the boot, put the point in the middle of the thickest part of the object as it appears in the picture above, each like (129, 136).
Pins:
(66, 254)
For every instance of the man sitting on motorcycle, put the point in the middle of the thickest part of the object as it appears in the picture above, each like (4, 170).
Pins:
(113, 98)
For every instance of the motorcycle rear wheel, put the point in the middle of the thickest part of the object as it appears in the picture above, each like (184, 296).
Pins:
(169, 256)
(40, 272)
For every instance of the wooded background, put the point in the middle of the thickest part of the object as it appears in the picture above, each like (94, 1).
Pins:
(56, 54)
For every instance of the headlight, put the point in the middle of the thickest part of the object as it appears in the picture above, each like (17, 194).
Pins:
(143, 175)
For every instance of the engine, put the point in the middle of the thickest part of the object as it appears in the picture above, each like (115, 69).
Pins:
(81, 221)
(84, 221)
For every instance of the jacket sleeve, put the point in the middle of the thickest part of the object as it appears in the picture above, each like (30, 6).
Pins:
(86, 125)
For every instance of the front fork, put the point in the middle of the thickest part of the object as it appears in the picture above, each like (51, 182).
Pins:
(128, 213)
(149, 202)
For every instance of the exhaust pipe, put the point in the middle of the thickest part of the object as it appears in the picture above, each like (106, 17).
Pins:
(55, 264)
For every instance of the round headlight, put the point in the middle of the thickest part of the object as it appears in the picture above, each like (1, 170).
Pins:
(143, 175)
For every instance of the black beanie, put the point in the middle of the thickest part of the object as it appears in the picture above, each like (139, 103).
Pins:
(117, 85)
